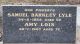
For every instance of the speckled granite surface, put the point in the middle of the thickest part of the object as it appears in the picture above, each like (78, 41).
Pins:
(65, 35)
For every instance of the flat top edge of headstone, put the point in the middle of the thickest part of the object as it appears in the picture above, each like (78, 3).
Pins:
(43, 5)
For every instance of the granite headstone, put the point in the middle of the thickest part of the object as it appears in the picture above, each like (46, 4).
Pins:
(39, 24)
